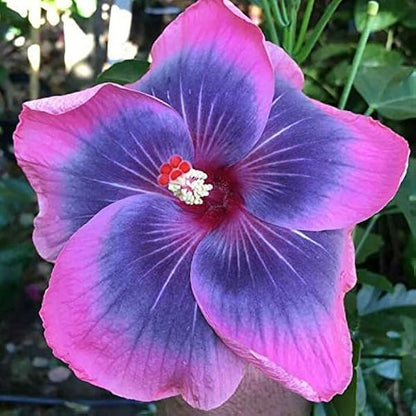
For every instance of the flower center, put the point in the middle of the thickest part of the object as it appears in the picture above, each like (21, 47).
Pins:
(211, 203)
(186, 183)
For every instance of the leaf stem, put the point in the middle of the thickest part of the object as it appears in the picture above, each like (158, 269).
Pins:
(269, 19)
(372, 10)
(304, 25)
(316, 33)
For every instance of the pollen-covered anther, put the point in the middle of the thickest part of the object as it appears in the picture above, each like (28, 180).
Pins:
(190, 187)
(186, 183)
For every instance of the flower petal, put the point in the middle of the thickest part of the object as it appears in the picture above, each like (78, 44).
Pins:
(211, 64)
(120, 310)
(275, 296)
(86, 150)
(284, 66)
(319, 168)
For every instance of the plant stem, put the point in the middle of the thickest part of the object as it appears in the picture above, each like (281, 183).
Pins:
(284, 11)
(367, 232)
(292, 27)
(316, 33)
(372, 223)
(369, 111)
(269, 19)
(304, 25)
(277, 15)
(372, 10)
(390, 39)
(286, 39)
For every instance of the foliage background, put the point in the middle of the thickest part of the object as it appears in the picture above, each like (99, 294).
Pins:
(381, 309)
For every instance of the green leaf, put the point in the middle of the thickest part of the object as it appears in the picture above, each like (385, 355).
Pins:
(406, 197)
(17, 254)
(389, 369)
(17, 190)
(339, 73)
(11, 283)
(5, 215)
(391, 90)
(372, 244)
(409, 258)
(319, 410)
(376, 54)
(3, 75)
(361, 390)
(350, 304)
(331, 50)
(374, 279)
(410, 20)
(391, 11)
(372, 300)
(409, 335)
(378, 400)
(408, 368)
(124, 72)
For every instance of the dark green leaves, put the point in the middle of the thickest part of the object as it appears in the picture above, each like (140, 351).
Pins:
(372, 300)
(408, 367)
(16, 249)
(376, 54)
(124, 72)
(391, 90)
(406, 197)
(372, 244)
(376, 280)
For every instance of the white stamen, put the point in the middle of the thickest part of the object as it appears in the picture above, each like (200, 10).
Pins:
(190, 187)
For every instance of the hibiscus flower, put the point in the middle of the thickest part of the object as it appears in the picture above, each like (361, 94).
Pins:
(200, 219)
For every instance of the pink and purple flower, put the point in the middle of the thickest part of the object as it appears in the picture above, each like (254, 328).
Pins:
(200, 219)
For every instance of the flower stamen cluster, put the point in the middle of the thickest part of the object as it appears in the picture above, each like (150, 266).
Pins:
(186, 183)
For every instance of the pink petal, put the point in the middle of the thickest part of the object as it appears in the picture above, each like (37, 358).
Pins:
(86, 150)
(319, 168)
(120, 310)
(212, 66)
(285, 68)
(275, 296)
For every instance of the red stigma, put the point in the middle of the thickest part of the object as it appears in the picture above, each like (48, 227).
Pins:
(175, 167)
(163, 180)
(185, 166)
(175, 160)
(175, 174)
(165, 168)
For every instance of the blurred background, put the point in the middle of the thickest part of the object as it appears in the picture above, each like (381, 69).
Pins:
(52, 47)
